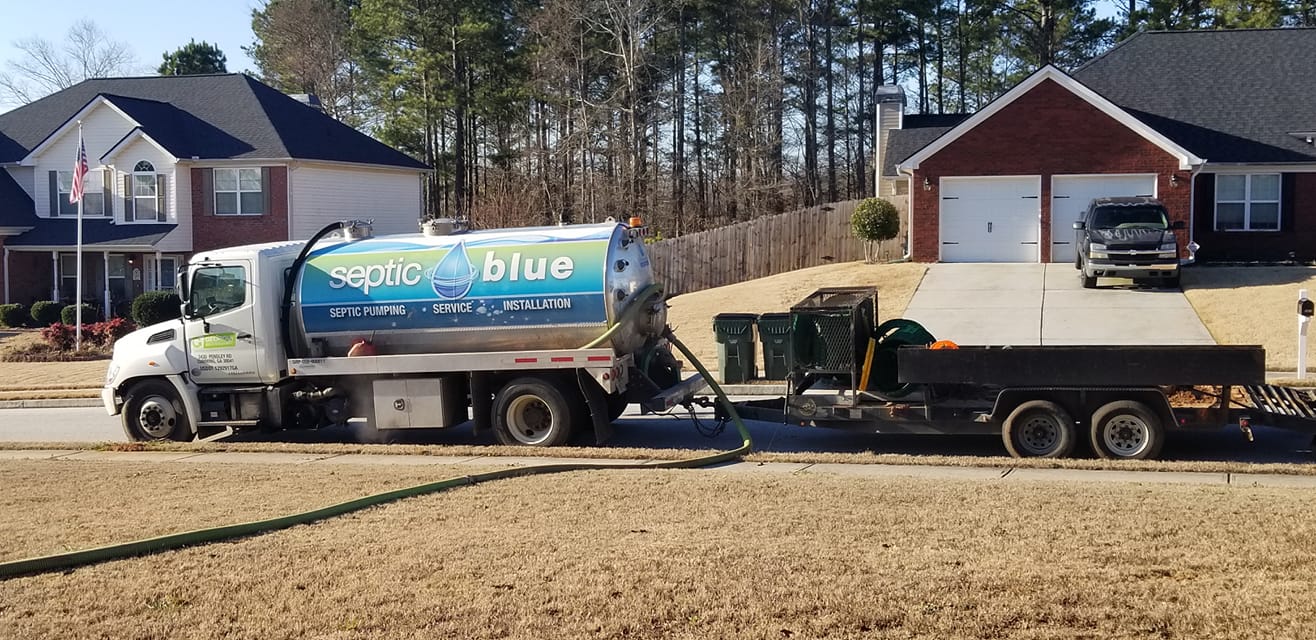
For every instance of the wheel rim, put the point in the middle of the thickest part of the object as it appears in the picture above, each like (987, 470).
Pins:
(530, 419)
(157, 417)
(1125, 435)
(1039, 435)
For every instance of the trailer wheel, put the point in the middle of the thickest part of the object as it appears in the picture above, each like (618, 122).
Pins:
(1126, 430)
(616, 406)
(1039, 429)
(533, 412)
(153, 411)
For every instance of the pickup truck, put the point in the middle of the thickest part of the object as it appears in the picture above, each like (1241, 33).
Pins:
(1127, 238)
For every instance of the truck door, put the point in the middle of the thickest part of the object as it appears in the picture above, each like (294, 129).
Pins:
(221, 347)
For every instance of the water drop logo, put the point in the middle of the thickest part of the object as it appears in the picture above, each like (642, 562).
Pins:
(454, 274)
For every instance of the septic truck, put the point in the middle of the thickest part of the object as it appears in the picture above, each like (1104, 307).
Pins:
(529, 332)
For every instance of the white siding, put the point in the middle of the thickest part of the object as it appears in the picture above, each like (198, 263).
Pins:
(177, 183)
(319, 195)
(102, 128)
(23, 176)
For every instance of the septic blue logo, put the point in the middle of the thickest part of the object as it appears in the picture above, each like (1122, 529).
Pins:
(454, 274)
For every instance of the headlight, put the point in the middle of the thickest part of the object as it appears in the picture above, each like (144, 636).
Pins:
(1169, 246)
(1097, 247)
(110, 373)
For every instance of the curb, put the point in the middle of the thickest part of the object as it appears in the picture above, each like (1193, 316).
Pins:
(50, 403)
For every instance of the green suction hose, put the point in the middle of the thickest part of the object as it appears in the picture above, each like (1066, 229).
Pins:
(74, 559)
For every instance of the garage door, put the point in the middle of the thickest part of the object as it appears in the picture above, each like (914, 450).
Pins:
(1070, 196)
(990, 219)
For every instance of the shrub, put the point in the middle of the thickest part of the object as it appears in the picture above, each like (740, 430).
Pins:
(874, 221)
(59, 335)
(46, 312)
(13, 315)
(156, 306)
(69, 315)
(106, 333)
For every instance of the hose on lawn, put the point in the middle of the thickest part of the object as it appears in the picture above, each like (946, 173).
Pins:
(64, 561)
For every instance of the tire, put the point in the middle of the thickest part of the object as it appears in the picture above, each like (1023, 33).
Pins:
(1089, 282)
(1126, 430)
(153, 412)
(1039, 429)
(1172, 283)
(532, 412)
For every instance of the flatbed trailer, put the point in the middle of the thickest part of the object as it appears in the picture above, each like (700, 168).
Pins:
(850, 372)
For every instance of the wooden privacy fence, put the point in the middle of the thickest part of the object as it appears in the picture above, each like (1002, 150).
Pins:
(763, 247)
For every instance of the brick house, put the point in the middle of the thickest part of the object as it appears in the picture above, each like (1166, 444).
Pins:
(178, 165)
(1206, 121)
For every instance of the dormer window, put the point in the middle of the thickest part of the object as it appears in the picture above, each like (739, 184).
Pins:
(144, 194)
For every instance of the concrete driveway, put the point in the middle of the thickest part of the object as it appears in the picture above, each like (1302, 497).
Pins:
(1044, 304)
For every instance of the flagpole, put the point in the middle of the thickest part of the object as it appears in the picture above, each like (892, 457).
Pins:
(77, 340)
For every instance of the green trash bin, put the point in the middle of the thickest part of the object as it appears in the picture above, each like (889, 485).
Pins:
(775, 334)
(735, 346)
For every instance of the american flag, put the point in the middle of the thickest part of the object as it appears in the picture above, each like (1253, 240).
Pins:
(79, 170)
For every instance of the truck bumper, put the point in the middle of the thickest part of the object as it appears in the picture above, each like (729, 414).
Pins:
(1168, 269)
(108, 399)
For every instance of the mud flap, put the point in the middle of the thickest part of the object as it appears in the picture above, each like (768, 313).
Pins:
(481, 401)
(597, 403)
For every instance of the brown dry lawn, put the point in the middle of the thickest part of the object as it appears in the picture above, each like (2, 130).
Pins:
(691, 315)
(680, 554)
(22, 380)
(1253, 305)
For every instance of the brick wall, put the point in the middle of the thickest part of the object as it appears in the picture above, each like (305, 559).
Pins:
(1047, 131)
(29, 276)
(1296, 237)
(210, 231)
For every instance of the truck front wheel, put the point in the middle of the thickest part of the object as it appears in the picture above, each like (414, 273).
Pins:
(1126, 430)
(533, 412)
(153, 411)
(1039, 429)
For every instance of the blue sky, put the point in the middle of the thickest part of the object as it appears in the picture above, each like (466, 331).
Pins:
(150, 27)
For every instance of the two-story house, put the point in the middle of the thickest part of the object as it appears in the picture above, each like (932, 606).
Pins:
(179, 165)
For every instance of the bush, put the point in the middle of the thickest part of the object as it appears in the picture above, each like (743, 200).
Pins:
(874, 221)
(13, 315)
(59, 335)
(106, 333)
(156, 306)
(46, 312)
(69, 315)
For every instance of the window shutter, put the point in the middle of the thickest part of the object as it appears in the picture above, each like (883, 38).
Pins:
(54, 194)
(267, 193)
(207, 188)
(128, 197)
(161, 197)
(1204, 200)
(1287, 185)
(107, 192)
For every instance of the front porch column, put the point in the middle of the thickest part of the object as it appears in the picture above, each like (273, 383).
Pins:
(6, 275)
(106, 315)
(54, 285)
(158, 266)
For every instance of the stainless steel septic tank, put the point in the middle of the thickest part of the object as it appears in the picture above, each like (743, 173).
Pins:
(506, 289)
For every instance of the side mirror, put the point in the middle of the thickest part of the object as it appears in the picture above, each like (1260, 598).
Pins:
(187, 309)
(1178, 224)
(1080, 225)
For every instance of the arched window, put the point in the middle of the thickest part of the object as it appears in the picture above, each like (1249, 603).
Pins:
(147, 202)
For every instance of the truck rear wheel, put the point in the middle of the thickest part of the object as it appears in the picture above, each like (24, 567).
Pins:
(1126, 430)
(531, 412)
(1039, 429)
(153, 411)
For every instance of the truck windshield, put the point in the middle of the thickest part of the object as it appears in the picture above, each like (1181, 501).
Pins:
(217, 289)
(1144, 217)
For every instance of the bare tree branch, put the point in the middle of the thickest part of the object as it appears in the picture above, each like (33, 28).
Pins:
(44, 67)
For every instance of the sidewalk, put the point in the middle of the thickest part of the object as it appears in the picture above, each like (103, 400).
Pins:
(929, 472)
